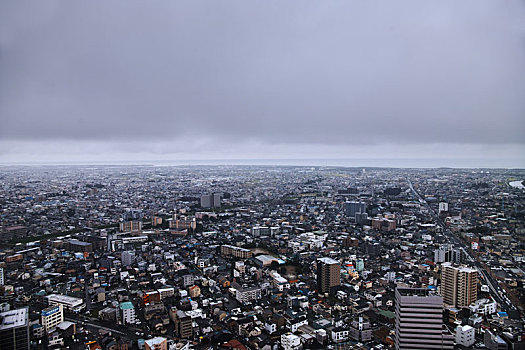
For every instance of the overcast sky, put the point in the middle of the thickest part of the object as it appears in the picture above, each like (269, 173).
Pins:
(171, 80)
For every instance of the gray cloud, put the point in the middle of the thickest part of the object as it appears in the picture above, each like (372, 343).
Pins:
(284, 73)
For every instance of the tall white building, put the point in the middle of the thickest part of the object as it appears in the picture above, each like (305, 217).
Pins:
(2, 282)
(443, 206)
(127, 313)
(52, 317)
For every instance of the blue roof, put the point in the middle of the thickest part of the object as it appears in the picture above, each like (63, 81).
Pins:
(126, 305)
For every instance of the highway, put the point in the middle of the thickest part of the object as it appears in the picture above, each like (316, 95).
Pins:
(496, 291)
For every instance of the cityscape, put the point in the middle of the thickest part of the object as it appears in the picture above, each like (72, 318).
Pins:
(262, 175)
(261, 257)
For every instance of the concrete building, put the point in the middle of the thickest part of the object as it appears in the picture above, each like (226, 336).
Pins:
(14, 329)
(352, 208)
(291, 341)
(52, 317)
(248, 294)
(494, 342)
(419, 321)
(157, 343)
(69, 303)
(238, 252)
(79, 246)
(465, 335)
(328, 275)
(131, 226)
(360, 330)
(483, 307)
(127, 258)
(439, 256)
(127, 313)
(188, 280)
(183, 325)
(459, 285)
(443, 206)
(211, 200)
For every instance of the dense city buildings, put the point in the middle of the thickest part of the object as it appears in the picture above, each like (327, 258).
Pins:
(116, 257)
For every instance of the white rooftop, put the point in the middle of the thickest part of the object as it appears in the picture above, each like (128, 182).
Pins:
(328, 261)
(155, 341)
(64, 299)
(13, 318)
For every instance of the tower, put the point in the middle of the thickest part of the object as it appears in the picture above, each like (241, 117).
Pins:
(419, 321)
(458, 285)
(328, 274)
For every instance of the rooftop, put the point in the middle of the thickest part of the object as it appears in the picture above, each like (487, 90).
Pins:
(126, 305)
(13, 318)
(328, 261)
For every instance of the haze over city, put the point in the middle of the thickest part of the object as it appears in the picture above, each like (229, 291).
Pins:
(404, 83)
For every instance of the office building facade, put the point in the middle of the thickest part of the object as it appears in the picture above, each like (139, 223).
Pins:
(419, 321)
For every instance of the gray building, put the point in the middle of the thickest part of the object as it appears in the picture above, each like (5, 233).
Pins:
(352, 208)
(493, 341)
(211, 200)
(188, 280)
(419, 321)
(14, 329)
(360, 330)
(127, 258)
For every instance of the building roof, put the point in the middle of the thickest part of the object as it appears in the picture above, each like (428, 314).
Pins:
(126, 305)
(328, 261)
(65, 299)
(14, 318)
(155, 341)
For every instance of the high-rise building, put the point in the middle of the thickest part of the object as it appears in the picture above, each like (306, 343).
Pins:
(216, 200)
(14, 329)
(328, 274)
(419, 321)
(211, 200)
(459, 285)
(2, 281)
(352, 208)
(454, 256)
(439, 256)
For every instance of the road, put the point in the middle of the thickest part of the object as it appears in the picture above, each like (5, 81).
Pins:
(495, 290)
(95, 324)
